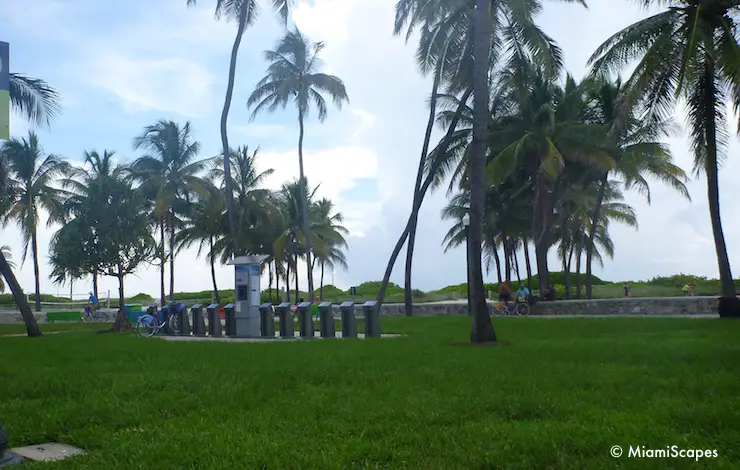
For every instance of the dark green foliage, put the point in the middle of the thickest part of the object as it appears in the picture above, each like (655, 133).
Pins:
(559, 396)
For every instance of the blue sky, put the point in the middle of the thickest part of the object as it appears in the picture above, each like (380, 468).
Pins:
(121, 66)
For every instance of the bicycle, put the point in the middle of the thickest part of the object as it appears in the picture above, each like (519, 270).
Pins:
(510, 308)
(147, 325)
(93, 315)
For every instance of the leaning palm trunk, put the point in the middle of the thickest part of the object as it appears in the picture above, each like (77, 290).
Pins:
(497, 261)
(729, 305)
(516, 267)
(32, 327)
(482, 328)
(304, 211)
(527, 263)
(35, 248)
(417, 201)
(211, 257)
(592, 233)
(407, 297)
(230, 208)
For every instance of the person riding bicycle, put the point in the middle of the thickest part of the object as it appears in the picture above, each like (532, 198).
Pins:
(505, 292)
(687, 290)
(522, 295)
(92, 303)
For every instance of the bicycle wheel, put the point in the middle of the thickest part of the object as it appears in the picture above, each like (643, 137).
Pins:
(522, 309)
(498, 310)
(173, 324)
(146, 326)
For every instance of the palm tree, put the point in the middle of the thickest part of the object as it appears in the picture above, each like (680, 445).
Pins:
(34, 99)
(169, 177)
(293, 76)
(205, 226)
(33, 174)
(5, 252)
(687, 52)
(330, 239)
(245, 13)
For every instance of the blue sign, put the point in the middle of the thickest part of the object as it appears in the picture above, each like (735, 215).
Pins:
(252, 269)
(4, 66)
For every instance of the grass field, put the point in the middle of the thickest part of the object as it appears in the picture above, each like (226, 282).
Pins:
(560, 395)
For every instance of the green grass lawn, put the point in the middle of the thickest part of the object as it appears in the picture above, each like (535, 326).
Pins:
(559, 396)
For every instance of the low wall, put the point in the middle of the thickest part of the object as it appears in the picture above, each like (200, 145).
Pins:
(657, 306)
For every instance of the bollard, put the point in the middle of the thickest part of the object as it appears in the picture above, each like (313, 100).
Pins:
(214, 322)
(372, 319)
(183, 321)
(326, 320)
(349, 322)
(267, 320)
(285, 316)
(305, 320)
(199, 323)
(164, 316)
(230, 320)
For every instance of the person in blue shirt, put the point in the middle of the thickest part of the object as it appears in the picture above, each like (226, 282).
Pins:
(522, 295)
(93, 302)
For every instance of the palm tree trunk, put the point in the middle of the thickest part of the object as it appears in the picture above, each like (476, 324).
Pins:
(578, 272)
(35, 248)
(540, 229)
(482, 329)
(269, 281)
(304, 209)
(417, 205)
(568, 259)
(507, 257)
(516, 266)
(497, 261)
(95, 283)
(321, 289)
(230, 208)
(527, 263)
(407, 297)
(213, 273)
(277, 283)
(32, 327)
(295, 275)
(287, 279)
(162, 263)
(592, 233)
(121, 323)
(172, 255)
(729, 305)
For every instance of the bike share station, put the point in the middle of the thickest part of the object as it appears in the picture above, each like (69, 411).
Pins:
(249, 320)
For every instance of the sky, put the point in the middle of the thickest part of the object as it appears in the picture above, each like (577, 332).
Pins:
(120, 66)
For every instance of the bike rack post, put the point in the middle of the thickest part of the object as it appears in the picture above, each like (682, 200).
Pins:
(230, 320)
(372, 319)
(165, 318)
(214, 321)
(285, 316)
(326, 321)
(199, 324)
(183, 321)
(305, 320)
(267, 320)
(349, 321)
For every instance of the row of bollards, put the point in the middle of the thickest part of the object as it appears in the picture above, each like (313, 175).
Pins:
(284, 313)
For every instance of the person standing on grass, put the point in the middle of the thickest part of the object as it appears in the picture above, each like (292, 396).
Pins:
(627, 292)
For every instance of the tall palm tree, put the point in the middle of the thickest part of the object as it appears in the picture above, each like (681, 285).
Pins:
(5, 252)
(687, 52)
(293, 76)
(205, 226)
(330, 239)
(244, 12)
(86, 185)
(169, 176)
(33, 174)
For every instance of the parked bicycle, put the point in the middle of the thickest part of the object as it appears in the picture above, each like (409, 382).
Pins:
(149, 325)
(91, 314)
(510, 308)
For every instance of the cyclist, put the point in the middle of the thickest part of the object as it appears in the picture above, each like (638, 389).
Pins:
(687, 290)
(93, 304)
(522, 295)
(504, 292)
